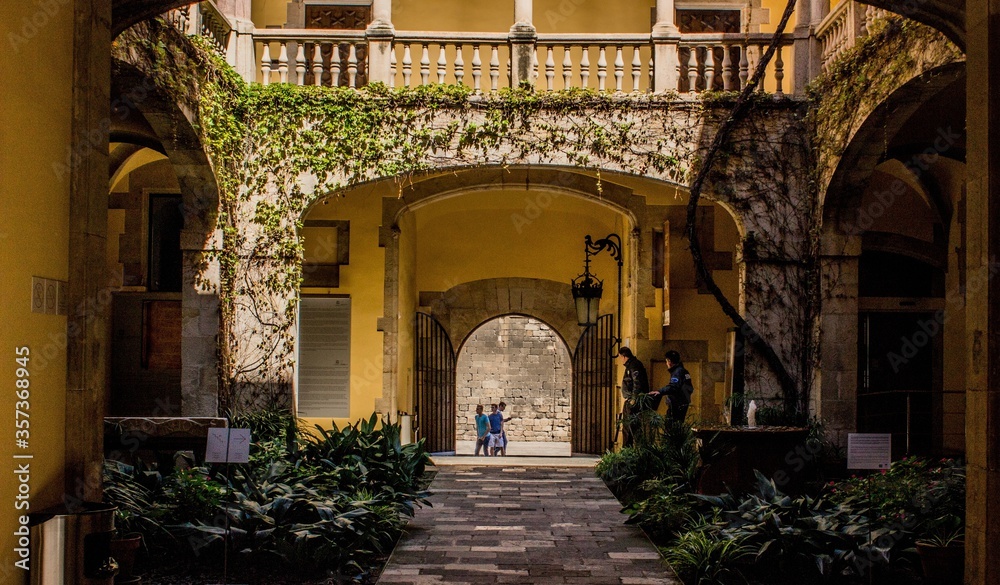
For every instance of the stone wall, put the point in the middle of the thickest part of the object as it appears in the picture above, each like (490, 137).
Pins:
(523, 362)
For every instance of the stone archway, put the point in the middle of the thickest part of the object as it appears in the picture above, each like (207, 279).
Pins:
(169, 125)
(524, 362)
(894, 203)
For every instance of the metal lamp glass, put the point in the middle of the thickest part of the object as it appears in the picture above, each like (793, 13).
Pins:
(587, 295)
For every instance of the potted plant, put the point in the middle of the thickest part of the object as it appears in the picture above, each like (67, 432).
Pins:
(133, 502)
(942, 550)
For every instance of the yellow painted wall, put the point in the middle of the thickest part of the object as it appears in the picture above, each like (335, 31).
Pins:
(363, 279)
(497, 233)
(35, 114)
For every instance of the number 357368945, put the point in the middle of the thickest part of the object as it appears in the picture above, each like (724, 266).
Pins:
(23, 385)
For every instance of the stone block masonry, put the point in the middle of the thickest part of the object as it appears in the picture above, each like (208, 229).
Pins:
(523, 362)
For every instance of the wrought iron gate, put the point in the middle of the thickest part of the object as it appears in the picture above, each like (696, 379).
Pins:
(593, 389)
(434, 367)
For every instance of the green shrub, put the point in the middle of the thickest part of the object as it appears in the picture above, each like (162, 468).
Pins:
(701, 557)
(673, 457)
(663, 513)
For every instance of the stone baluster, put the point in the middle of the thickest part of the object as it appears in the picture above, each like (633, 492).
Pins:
(425, 64)
(494, 67)
(335, 65)
(666, 37)
(692, 69)
(300, 65)
(379, 35)
(636, 69)
(352, 65)
(442, 63)
(619, 69)
(585, 68)
(522, 39)
(760, 53)
(602, 69)
(407, 65)
(744, 67)
(550, 68)
(567, 67)
(727, 69)
(779, 71)
(534, 66)
(477, 69)
(265, 64)
(392, 66)
(459, 65)
(709, 67)
(283, 64)
(317, 64)
(652, 73)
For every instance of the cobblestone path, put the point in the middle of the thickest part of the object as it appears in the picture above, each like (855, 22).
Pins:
(523, 525)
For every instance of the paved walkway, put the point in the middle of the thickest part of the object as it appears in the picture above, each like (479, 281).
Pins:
(522, 524)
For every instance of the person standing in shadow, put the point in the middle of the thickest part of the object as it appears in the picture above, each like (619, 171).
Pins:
(635, 386)
(678, 391)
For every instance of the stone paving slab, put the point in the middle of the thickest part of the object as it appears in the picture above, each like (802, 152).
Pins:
(524, 525)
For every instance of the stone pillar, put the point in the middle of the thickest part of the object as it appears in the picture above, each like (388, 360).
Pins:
(522, 43)
(388, 324)
(380, 34)
(982, 424)
(834, 396)
(241, 51)
(665, 37)
(199, 328)
(802, 46)
(87, 359)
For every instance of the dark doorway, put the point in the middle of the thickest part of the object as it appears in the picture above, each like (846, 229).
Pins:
(165, 259)
(899, 370)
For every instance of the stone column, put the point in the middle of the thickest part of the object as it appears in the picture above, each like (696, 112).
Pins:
(380, 34)
(834, 398)
(87, 339)
(522, 43)
(665, 38)
(803, 44)
(982, 424)
(199, 327)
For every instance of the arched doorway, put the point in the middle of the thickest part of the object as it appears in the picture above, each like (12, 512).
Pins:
(894, 258)
(524, 362)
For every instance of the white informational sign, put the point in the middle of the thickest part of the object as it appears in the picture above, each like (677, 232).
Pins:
(228, 446)
(869, 450)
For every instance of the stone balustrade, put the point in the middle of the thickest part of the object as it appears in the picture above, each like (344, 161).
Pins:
(312, 57)
(842, 27)
(204, 19)
(619, 63)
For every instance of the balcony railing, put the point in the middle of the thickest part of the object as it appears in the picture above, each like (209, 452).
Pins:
(618, 63)
(845, 24)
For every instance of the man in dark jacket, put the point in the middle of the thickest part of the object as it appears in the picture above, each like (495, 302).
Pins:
(635, 386)
(679, 389)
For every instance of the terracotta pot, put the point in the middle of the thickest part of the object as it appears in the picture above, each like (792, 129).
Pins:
(942, 565)
(124, 550)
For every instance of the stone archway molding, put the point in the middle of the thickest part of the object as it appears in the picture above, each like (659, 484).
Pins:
(464, 308)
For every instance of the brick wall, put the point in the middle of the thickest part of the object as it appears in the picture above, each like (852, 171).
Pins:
(523, 362)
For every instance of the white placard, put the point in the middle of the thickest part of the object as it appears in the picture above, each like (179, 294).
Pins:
(227, 446)
(869, 450)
